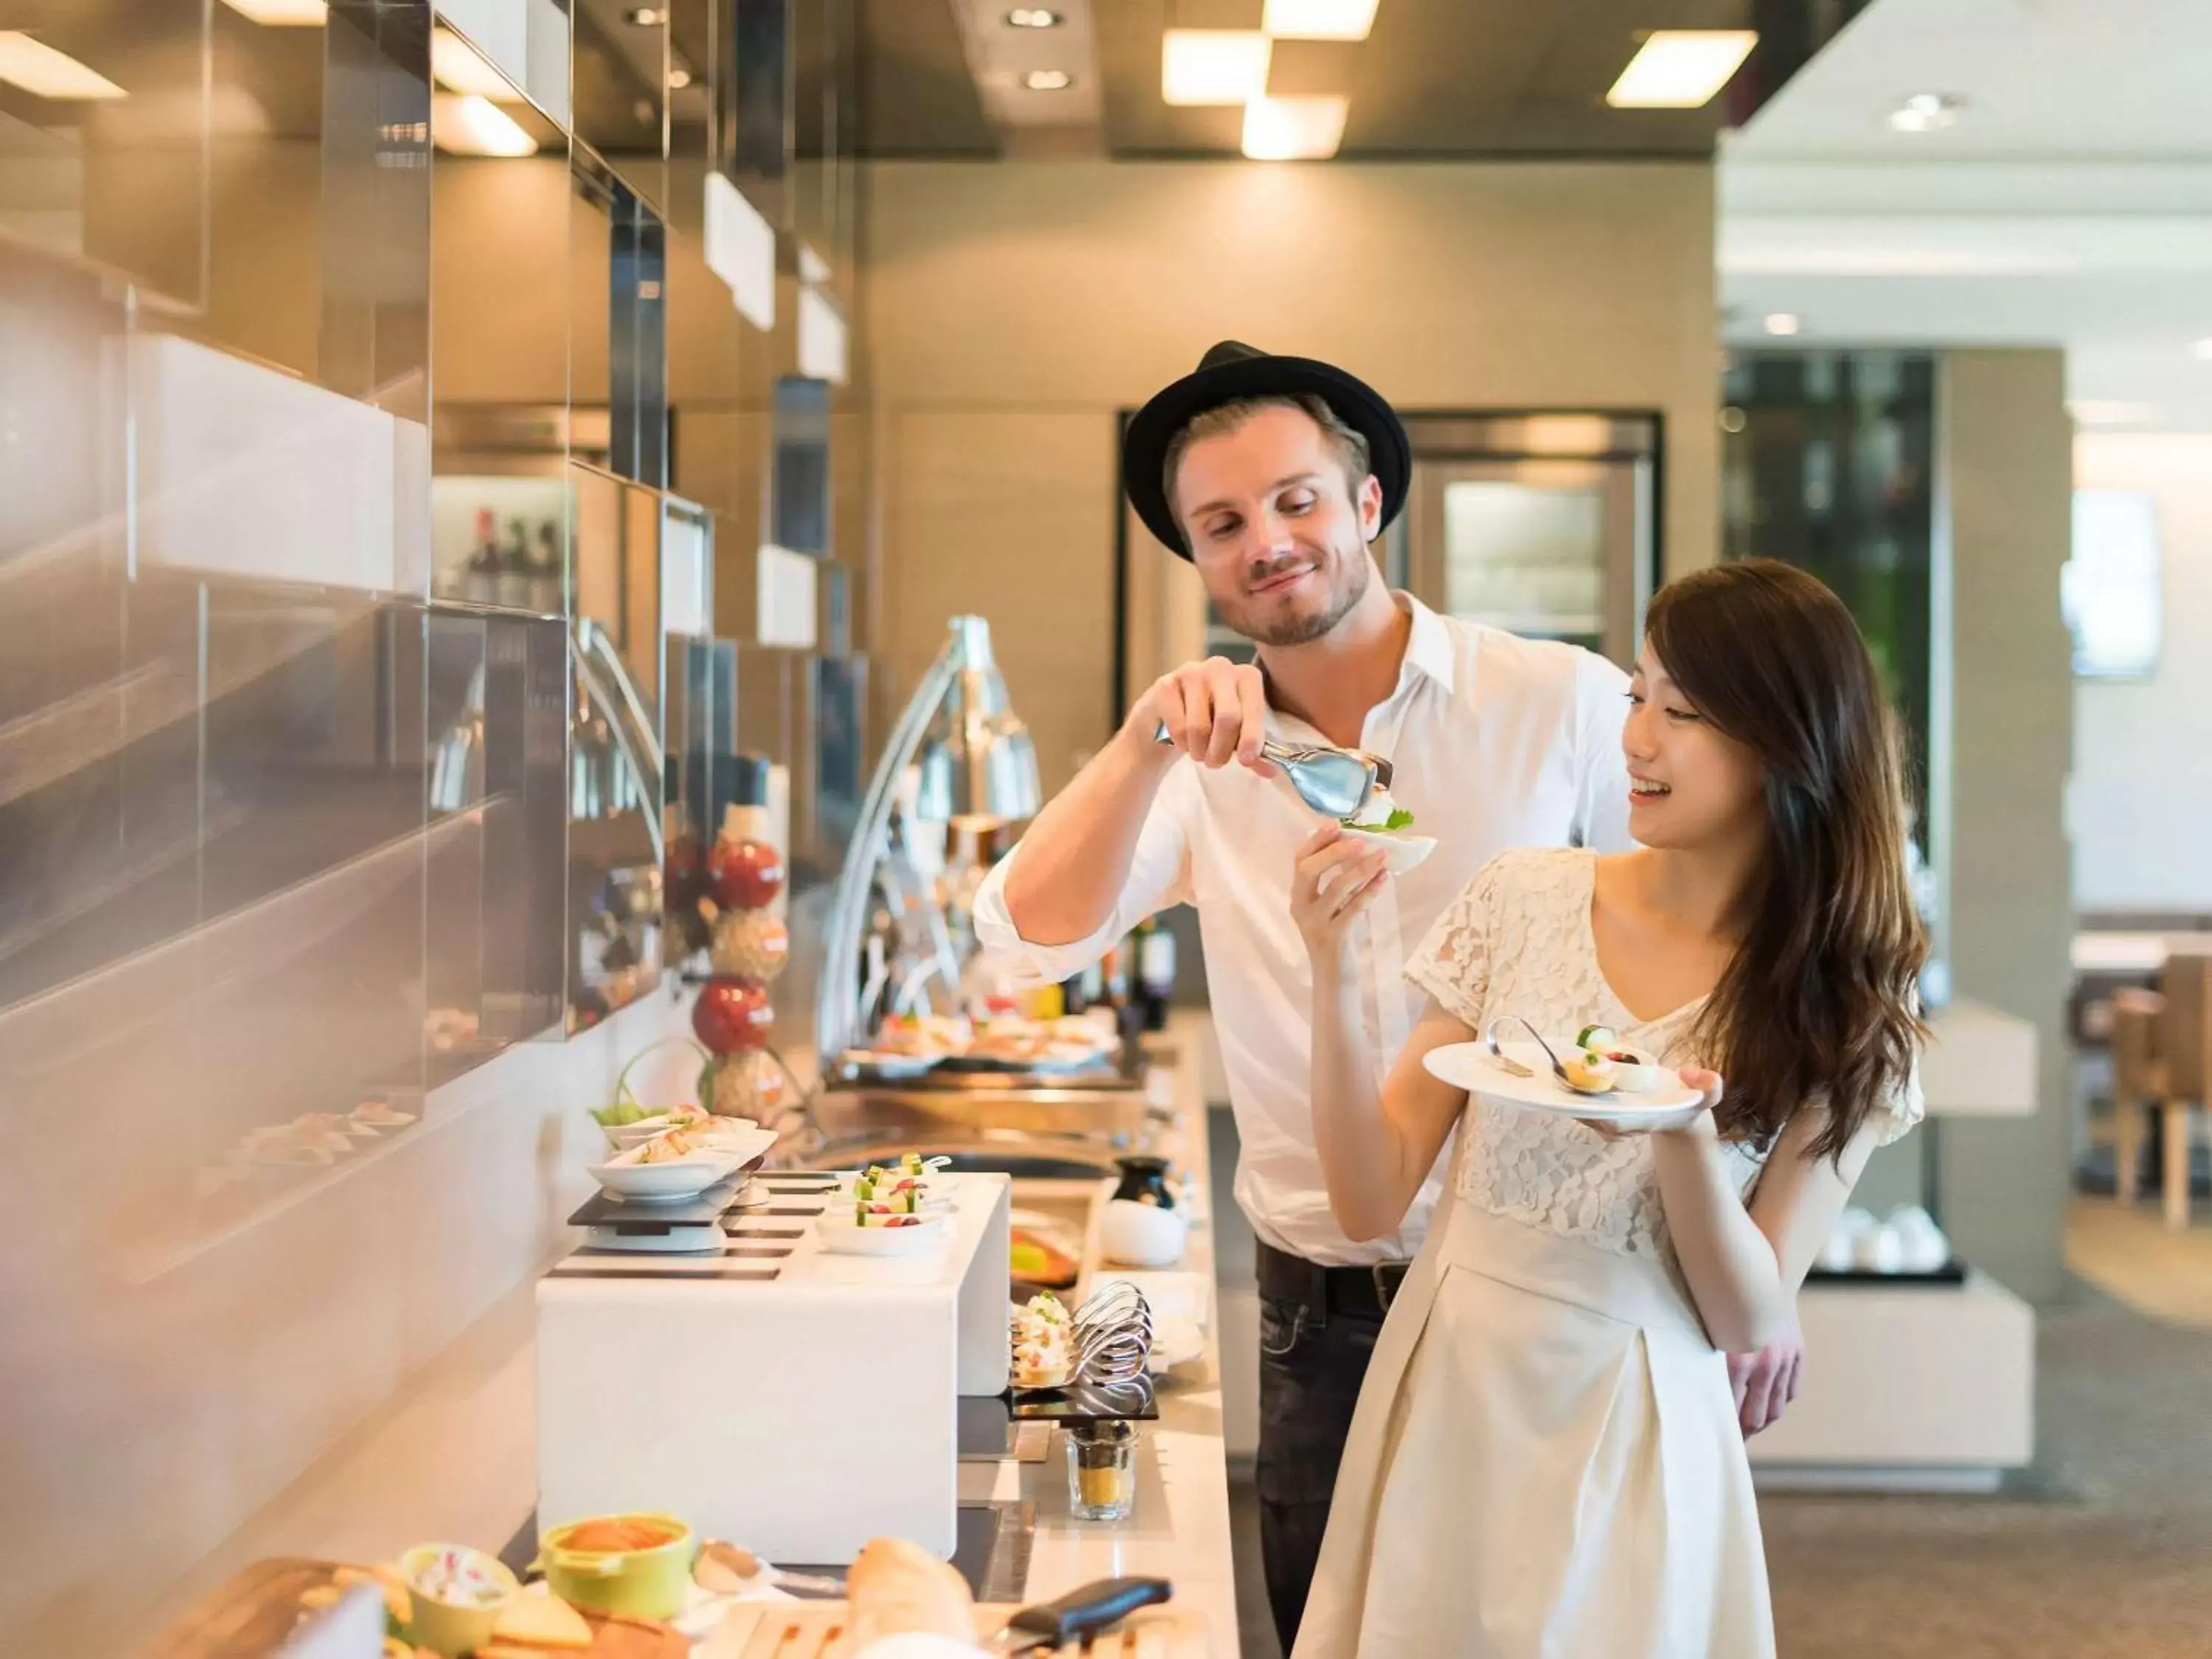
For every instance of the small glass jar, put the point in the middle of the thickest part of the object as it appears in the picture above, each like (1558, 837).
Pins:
(1102, 1469)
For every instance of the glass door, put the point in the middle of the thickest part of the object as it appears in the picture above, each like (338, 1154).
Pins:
(1550, 545)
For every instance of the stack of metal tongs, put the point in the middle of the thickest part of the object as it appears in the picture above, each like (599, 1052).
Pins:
(1113, 1336)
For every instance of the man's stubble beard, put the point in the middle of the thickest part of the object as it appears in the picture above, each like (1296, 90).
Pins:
(1305, 630)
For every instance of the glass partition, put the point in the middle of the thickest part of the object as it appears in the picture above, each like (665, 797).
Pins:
(1827, 461)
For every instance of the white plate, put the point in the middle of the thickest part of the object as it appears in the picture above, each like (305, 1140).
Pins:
(662, 1184)
(1174, 1342)
(1468, 1066)
(1404, 852)
(892, 1066)
(843, 1238)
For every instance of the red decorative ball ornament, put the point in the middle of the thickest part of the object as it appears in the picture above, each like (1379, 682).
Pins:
(732, 1016)
(744, 875)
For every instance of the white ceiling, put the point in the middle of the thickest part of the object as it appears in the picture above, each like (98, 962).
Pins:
(2071, 203)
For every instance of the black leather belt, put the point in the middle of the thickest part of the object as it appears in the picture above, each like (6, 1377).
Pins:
(1358, 1293)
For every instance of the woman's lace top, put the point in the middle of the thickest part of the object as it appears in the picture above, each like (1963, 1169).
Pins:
(1518, 941)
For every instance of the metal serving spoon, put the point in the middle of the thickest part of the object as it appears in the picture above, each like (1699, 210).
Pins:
(1335, 782)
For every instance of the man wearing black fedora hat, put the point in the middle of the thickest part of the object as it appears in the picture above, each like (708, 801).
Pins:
(1273, 476)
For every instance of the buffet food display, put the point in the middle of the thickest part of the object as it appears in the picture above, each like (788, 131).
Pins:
(999, 1041)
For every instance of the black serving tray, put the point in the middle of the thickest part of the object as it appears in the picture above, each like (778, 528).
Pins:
(1949, 1276)
(603, 1209)
(1084, 1403)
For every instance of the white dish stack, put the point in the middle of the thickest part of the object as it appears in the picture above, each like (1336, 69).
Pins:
(1908, 1242)
(774, 1391)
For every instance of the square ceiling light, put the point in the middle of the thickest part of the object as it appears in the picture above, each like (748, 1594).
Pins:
(1681, 69)
(283, 14)
(1213, 66)
(1318, 20)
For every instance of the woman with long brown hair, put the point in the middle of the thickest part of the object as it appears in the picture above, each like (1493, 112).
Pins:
(1546, 1459)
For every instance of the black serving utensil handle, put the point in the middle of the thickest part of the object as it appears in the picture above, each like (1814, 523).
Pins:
(1093, 1607)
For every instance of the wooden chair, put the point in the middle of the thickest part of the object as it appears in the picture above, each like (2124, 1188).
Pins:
(2185, 1046)
(2138, 1081)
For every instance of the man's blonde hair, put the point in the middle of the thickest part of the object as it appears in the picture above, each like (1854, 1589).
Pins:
(1348, 445)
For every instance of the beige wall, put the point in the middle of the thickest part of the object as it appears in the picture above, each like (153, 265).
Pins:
(2007, 465)
(1012, 308)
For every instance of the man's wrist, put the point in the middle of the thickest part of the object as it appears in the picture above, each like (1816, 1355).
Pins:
(1138, 741)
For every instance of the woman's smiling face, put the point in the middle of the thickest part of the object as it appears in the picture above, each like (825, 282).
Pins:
(1690, 784)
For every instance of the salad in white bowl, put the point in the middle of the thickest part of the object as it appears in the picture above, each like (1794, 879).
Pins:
(1384, 824)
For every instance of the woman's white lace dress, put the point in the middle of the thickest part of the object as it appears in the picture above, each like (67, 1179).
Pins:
(1545, 1463)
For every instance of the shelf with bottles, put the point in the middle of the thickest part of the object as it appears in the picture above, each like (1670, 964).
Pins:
(499, 542)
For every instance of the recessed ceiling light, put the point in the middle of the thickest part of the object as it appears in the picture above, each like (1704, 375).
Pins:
(2202, 351)
(1293, 128)
(1213, 66)
(1681, 69)
(469, 125)
(1784, 323)
(1048, 80)
(678, 77)
(1927, 112)
(647, 17)
(460, 68)
(283, 14)
(1319, 19)
(38, 68)
(1032, 17)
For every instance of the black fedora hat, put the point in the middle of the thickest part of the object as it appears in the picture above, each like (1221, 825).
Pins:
(1232, 373)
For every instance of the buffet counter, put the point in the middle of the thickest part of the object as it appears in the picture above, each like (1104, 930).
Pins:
(1178, 1528)
(453, 1455)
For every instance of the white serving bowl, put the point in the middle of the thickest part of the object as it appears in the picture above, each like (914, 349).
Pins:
(1403, 852)
(844, 1237)
(675, 1178)
(623, 1137)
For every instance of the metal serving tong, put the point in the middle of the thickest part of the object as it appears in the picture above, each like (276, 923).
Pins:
(1113, 1335)
(1335, 782)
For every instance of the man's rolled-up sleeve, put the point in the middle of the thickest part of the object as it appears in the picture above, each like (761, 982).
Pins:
(1158, 878)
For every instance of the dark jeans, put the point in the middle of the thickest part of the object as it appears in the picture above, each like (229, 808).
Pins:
(1311, 1365)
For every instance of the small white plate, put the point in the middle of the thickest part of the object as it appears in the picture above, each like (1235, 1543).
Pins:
(1470, 1065)
(629, 1177)
(891, 1067)
(661, 1183)
(1403, 852)
(841, 1237)
(1174, 1342)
